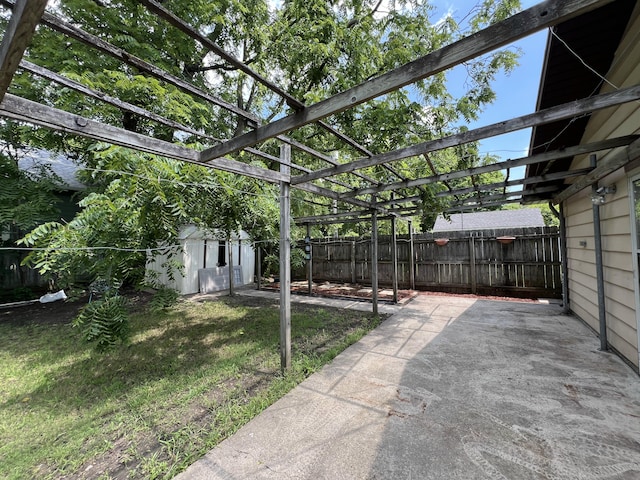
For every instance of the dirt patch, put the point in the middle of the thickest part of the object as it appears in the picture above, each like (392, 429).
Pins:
(60, 312)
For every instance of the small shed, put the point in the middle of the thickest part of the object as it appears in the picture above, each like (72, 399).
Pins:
(204, 259)
(522, 218)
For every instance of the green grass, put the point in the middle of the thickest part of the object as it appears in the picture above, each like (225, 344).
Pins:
(189, 377)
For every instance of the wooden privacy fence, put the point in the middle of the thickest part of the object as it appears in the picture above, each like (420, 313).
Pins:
(13, 275)
(467, 262)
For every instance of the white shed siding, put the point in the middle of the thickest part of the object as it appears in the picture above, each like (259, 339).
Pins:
(615, 215)
(195, 256)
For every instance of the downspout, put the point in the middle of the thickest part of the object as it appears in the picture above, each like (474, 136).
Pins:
(597, 237)
(563, 255)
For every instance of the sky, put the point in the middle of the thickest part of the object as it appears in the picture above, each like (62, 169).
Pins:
(516, 93)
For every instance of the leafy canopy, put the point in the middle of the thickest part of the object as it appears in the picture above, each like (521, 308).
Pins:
(312, 48)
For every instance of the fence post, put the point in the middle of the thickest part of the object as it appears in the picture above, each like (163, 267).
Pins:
(472, 264)
(353, 261)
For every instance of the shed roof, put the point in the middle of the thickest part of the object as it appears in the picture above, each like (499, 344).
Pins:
(527, 217)
(64, 168)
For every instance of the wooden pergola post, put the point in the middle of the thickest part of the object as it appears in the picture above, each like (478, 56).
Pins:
(374, 256)
(412, 260)
(394, 258)
(259, 265)
(309, 260)
(285, 263)
(230, 256)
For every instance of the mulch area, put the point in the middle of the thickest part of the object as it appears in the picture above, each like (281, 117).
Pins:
(344, 290)
(356, 291)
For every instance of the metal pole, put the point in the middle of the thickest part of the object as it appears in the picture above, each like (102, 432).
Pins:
(597, 237)
(565, 267)
(285, 264)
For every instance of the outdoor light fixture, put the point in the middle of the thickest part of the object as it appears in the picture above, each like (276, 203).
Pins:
(597, 198)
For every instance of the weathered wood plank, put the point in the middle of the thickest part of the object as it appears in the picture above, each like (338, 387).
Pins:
(78, 87)
(285, 262)
(17, 36)
(543, 116)
(611, 163)
(293, 102)
(497, 35)
(206, 42)
(95, 42)
(325, 192)
(37, 114)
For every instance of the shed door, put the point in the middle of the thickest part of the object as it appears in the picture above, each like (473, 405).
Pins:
(635, 214)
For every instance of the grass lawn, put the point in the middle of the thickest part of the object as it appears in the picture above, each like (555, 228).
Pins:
(189, 377)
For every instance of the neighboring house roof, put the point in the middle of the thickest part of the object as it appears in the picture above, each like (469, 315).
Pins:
(527, 217)
(60, 165)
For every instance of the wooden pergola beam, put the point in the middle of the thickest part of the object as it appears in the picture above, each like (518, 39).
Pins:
(608, 165)
(293, 102)
(122, 105)
(325, 192)
(210, 45)
(333, 216)
(464, 208)
(32, 112)
(634, 92)
(20, 30)
(480, 200)
(122, 55)
(478, 188)
(560, 112)
(495, 36)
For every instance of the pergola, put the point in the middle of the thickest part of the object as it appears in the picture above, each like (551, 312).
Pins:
(363, 201)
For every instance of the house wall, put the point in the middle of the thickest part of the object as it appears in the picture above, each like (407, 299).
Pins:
(616, 222)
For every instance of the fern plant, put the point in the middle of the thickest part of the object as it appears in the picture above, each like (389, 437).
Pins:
(163, 299)
(105, 322)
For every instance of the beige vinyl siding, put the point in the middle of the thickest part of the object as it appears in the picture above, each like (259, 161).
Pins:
(616, 226)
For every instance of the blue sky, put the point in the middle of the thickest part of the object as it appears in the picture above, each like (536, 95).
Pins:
(516, 93)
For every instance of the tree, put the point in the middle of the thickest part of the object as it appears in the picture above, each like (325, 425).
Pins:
(311, 49)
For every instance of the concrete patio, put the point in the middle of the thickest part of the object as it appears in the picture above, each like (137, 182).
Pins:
(450, 388)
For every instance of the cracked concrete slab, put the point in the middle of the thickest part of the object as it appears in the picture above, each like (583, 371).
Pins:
(450, 388)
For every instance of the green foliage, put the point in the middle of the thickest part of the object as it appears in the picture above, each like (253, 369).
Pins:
(313, 49)
(104, 321)
(26, 198)
(163, 299)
